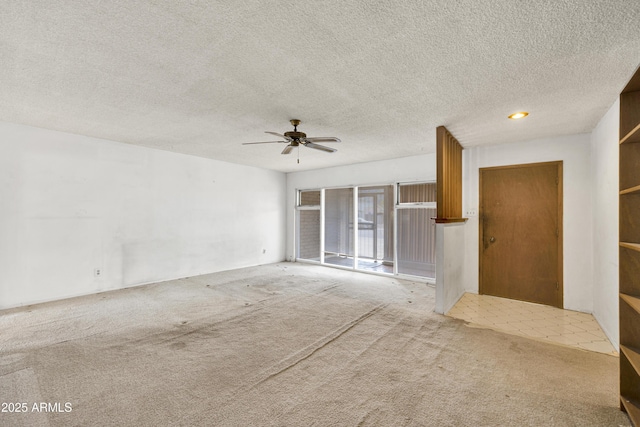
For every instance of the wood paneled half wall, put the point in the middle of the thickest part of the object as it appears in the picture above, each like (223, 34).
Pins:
(449, 177)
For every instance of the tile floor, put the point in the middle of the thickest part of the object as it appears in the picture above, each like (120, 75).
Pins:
(526, 319)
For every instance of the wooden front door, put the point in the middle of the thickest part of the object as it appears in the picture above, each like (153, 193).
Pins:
(521, 232)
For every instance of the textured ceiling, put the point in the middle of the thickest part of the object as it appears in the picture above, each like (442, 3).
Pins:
(201, 77)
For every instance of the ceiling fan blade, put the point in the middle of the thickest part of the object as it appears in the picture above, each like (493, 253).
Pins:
(265, 142)
(280, 135)
(323, 139)
(287, 149)
(320, 147)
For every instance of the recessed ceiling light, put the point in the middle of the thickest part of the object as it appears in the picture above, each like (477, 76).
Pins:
(518, 115)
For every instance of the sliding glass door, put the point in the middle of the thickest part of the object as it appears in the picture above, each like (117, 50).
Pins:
(385, 228)
(375, 228)
(338, 227)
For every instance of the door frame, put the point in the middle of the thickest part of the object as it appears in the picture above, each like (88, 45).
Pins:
(560, 301)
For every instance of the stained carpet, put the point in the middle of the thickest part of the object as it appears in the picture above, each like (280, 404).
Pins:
(288, 345)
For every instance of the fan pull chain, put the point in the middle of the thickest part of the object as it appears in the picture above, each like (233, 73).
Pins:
(298, 154)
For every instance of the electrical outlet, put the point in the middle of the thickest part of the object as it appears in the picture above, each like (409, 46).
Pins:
(97, 272)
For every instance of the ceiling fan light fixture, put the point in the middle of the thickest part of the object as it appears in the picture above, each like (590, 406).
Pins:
(518, 115)
(296, 139)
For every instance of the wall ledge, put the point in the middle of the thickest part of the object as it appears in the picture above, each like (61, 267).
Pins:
(449, 220)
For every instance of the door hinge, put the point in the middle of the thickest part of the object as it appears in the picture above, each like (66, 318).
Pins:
(557, 286)
(557, 232)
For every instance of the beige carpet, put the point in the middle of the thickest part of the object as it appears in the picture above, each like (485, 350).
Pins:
(288, 345)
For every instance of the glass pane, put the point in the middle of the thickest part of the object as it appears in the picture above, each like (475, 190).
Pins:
(415, 193)
(417, 242)
(375, 228)
(309, 235)
(338, 227)
(310, 198)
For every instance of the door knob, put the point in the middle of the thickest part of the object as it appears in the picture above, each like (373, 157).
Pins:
(492, 239)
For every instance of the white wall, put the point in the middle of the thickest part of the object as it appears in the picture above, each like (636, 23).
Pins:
(406, 169)
(605, 170)
(71, 204)
(450, 241)
(575, 152)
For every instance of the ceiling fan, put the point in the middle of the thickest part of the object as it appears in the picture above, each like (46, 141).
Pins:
(296, 139)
